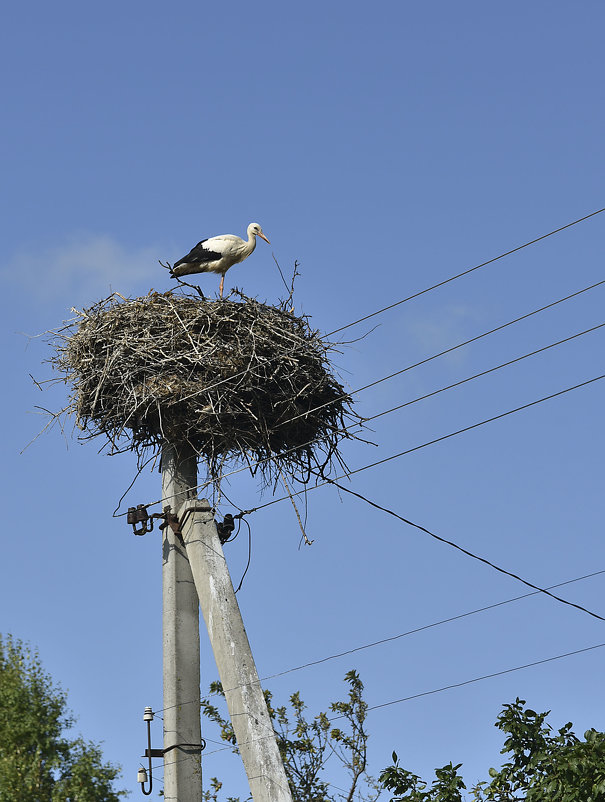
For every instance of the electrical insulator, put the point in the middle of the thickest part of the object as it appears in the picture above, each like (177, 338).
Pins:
(225, 528)
(142, 775)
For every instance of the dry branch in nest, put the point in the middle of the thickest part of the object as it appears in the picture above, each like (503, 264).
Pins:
(240, 381)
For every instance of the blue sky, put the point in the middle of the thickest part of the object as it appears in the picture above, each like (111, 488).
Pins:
(385, 147)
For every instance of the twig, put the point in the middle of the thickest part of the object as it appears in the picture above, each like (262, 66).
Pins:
(37, 383)
(280, 272)
(195, 287)
(300, 523)
(295, 273)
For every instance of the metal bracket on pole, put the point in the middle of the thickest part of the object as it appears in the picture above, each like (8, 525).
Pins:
(139, 515)
(142, 775)
(193, 748)
(170, 520)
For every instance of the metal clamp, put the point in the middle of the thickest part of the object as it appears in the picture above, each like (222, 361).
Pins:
(139, 515)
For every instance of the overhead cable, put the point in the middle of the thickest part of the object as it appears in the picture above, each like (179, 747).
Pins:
(466, 551)
(405, 404)
(428, 443)
(438, 690)
(424, 627)
(441, 353)
(404, 370)
(465, 272)
(479, 679)
(405, 634)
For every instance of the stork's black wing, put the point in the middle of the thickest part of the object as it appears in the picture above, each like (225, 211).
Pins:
(199, 255)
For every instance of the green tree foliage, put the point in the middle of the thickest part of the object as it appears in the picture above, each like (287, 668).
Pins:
(447, 786)
(306, 744)
(542, 766)
(38, 761)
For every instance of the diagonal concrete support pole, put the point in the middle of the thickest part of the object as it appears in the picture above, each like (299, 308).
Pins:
(247, 707)
(181, 641)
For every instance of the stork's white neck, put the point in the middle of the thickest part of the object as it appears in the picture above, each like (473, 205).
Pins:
(251, 244)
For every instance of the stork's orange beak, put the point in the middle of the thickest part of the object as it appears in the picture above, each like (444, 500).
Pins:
(265, 238)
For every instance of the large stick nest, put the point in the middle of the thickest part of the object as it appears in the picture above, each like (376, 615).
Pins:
(239, 381)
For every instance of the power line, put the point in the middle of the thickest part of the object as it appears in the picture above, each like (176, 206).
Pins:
(404, 370)
(405, 634)
(479, 679)
(425, 627)
(424, 445)
(465, 272)
(365, 420)
(476, 425)
(428, 443)
(447, 687)
(535, 587)
(441, 353)
(485, 372)
(433, 287)
(432, 534)
(467, 552)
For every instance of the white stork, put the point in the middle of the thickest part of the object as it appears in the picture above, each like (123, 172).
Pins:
(218, 254)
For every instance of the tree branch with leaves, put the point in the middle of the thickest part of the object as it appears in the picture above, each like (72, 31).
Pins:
(542, 767)
(307, 745)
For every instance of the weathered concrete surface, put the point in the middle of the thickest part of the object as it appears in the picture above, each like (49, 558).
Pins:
(181, 638)
(247, 707)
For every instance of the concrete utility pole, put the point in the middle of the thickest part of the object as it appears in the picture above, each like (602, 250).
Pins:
(247, 707)
(181, 651)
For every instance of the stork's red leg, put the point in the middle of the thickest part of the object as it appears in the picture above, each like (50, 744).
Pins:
(220, 289)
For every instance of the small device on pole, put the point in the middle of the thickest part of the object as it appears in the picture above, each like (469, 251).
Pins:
(142, 776)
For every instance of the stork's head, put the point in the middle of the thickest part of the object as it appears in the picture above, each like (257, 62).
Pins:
(254, 228)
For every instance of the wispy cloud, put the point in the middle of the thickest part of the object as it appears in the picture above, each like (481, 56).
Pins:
(436, 333)
(85, 268)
